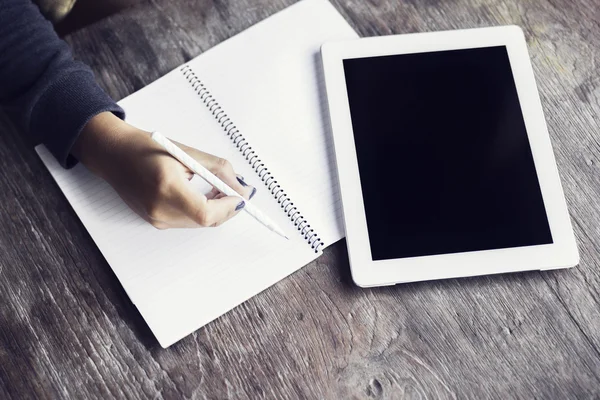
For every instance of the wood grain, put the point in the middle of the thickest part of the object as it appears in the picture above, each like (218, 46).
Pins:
(67, 329)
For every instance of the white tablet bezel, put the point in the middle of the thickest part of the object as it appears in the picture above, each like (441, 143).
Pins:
(366, 272)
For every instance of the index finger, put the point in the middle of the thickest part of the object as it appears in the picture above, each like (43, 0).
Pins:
(203, 211)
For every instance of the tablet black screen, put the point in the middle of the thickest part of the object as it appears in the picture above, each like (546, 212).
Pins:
(445, 162)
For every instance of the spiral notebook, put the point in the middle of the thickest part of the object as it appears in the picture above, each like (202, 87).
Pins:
(257, 100)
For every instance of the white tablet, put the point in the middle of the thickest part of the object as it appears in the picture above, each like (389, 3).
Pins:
(444, 159)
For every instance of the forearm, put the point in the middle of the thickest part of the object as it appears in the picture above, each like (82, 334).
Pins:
(51, 95)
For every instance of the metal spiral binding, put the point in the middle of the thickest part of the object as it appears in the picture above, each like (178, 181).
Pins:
(253, 159)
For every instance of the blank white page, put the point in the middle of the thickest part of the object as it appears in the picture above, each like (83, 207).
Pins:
(269, 82)
(182, 279)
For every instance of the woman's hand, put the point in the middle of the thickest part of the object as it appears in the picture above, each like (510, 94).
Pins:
(154, 184)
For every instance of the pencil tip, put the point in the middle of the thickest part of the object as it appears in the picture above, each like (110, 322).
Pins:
(287, 237)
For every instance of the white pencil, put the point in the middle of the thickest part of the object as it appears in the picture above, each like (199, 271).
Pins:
(209, 177)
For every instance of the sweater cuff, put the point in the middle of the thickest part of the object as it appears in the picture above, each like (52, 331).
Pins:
(64, 110)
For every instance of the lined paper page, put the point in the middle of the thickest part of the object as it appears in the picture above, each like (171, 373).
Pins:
(181, 279)
(269, 81)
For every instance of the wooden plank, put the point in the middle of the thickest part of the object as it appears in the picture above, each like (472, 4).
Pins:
(67, 329)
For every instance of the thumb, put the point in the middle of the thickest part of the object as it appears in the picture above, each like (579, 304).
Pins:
(223, 170)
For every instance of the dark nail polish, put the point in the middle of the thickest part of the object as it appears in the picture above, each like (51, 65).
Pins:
(253, 193)
(240, 206)
(241, 180)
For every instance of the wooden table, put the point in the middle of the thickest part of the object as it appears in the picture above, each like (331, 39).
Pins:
(67, 329)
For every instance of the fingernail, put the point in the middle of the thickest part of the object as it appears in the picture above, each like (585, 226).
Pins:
(253, 193)
(240, 206)
(241, 180)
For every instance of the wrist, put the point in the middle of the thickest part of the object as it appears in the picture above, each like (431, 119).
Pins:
(98, 139)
